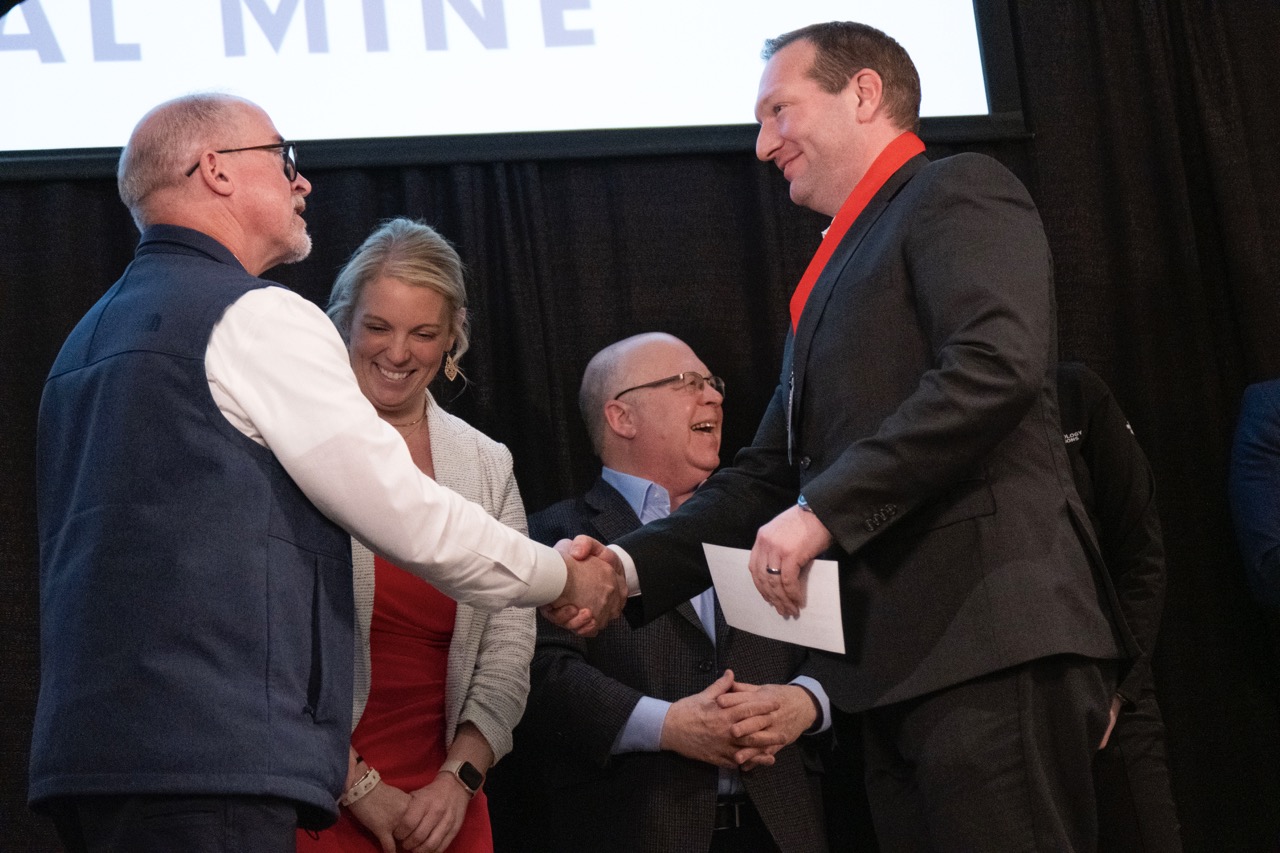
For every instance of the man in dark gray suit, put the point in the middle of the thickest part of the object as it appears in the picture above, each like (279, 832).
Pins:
(637, 726)
(914, 438)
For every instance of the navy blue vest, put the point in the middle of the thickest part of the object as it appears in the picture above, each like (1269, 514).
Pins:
(195, 608)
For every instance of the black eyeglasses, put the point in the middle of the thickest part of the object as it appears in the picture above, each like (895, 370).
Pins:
(288, 152)
(688, 381)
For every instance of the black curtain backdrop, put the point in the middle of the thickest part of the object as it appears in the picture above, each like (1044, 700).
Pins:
(1154, 164)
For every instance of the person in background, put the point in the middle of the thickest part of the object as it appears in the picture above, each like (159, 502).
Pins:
(204, 455)
(635, 751)
(1131, 773)
(1254, 489)
(438, 686)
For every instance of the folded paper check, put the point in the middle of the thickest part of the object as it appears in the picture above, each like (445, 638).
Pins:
(818, 626)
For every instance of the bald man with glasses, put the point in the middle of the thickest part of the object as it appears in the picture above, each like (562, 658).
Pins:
(635, 729)
(204, 457)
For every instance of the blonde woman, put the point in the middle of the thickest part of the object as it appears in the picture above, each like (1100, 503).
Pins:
(439, 686)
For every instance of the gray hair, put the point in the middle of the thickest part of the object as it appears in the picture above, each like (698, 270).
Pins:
(843, 48)
(408, 251)
(167, 141)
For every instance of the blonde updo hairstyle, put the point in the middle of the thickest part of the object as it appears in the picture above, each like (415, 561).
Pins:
(411, 252)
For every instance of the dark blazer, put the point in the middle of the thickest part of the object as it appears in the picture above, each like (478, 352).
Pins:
(1255, 489)
(584, 691)
(916, 411)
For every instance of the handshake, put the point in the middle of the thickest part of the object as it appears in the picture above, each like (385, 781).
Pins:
(594, 591)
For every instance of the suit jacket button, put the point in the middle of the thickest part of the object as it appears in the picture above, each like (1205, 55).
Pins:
(805, 462)
(705, 666)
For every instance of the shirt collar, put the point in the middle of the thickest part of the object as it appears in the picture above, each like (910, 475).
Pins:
(646, 498)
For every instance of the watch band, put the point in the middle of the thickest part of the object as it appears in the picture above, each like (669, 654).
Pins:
(466, 773)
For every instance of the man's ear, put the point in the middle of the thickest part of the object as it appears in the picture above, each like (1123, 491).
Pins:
(618, 417)
(214, 177)
(867, 87)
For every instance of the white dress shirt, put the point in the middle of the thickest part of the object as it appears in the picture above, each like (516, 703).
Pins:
(279, 372)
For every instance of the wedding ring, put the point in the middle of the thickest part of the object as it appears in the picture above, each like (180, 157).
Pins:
(772, 571)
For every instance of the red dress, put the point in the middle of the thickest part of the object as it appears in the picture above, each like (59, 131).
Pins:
(401, 732)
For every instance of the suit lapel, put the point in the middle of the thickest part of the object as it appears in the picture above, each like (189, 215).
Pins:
(613, 519)
(613, 516)
(686, 610)
(723, 631)
(788, 380)
(826, 282)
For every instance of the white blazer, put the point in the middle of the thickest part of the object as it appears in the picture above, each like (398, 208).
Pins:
(487, 681)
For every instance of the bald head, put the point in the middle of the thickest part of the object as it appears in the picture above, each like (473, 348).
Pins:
(216, 164)
(668, 433)
(602, 374)
(168, 140)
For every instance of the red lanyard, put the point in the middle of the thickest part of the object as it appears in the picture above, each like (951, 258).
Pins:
(891, 159)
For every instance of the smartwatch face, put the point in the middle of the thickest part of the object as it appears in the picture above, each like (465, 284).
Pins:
(470, 776)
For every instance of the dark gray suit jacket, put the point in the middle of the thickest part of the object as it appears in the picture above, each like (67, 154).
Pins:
(916, 411)
(583, 692)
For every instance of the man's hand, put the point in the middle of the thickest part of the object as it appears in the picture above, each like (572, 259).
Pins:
(379, 811)
(762, 735)
(434, 815)
(594, 591)
(698, 727)
(583, 546)
(1116, 703)
(784, 548)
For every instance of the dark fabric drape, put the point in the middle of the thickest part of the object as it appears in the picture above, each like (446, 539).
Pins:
(1156, 133)
(1153, 162)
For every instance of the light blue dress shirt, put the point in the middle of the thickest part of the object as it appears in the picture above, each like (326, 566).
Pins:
(643, 730)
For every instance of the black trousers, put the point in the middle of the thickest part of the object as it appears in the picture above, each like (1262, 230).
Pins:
(1003, 762)
(1136, 813)
(750, 836)
(166, 824)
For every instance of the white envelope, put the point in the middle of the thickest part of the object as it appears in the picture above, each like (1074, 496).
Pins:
(818, 626)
